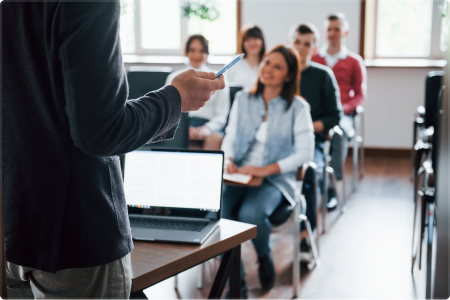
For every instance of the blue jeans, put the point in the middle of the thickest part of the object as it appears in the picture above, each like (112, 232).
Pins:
(253, 205)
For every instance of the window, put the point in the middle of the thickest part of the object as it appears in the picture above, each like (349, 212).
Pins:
(403, 29)
(159, 27)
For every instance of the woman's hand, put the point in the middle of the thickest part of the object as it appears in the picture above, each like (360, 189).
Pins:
(253, 171)
(230, 167)
(199, 133)
(260, 171)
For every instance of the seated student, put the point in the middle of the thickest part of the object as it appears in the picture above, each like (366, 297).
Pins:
(270, 135)
(319, 88)
(350, 72)
(211, 117)
(251, 43)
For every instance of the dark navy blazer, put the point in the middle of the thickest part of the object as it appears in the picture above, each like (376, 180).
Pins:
(65, 118)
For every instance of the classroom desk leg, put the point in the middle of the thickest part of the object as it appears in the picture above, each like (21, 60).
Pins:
(138, 295)
(230, 266)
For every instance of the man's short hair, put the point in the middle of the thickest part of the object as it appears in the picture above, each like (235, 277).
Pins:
(304, 28)
(338, 16)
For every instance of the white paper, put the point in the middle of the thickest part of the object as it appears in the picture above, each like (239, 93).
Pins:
(236, 177)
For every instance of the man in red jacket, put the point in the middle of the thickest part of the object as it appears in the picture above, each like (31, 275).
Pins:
(350, 72)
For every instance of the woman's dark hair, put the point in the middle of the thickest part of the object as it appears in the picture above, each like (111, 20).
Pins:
(251, 31)
(290, 88)
(201, 39)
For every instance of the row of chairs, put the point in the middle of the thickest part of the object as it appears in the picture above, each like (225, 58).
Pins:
(143, 79)
(426, 127)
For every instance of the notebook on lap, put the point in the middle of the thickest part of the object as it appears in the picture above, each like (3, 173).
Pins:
(173, 195)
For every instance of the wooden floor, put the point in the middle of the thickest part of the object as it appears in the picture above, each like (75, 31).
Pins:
(366, 253)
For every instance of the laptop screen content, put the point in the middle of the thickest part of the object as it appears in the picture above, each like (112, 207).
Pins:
(186, 180)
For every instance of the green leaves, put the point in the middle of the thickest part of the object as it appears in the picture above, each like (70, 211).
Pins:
(204, 10)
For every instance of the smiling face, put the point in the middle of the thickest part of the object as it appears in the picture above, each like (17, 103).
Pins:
(274, 70)
(253, 46)
(305, 45)
(196, 54)
(335, 32)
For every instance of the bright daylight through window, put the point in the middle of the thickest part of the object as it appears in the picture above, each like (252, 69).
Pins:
(404, 28)
(161, 27)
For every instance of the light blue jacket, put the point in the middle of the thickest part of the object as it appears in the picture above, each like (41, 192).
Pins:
(290, 135)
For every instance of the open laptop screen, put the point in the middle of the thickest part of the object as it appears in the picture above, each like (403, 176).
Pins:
(179, 179)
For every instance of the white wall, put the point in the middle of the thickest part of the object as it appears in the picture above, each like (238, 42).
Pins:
(393, 93)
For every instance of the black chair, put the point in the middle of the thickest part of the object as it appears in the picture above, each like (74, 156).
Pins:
(233, 92)
(297, 210)
(334, 135)
(142, 80)
(425, 123)
(425, 179)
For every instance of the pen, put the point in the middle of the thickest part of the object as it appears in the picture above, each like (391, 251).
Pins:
(224, 69)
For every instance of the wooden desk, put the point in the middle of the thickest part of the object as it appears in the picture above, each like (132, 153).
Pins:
(154, 262)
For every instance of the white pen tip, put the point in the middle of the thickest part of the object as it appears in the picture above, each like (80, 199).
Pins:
(242, 55)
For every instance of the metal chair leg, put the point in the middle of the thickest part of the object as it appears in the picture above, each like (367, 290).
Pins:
(361, 147)
(175, 282)
(355, 162)
(325, 199)
(200, 275)
(305, 220)
(295, 267)
(330, 171)
(429, 249)
(416, 203)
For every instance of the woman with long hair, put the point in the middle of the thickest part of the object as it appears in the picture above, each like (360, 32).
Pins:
(270, 135)
(251, 43)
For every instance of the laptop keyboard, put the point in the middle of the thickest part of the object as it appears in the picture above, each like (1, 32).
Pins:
(153, 223)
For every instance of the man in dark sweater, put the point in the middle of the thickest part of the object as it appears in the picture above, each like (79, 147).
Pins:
(65, 119)
(319, 88)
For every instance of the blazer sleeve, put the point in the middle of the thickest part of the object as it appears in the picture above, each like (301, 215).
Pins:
(102, 122)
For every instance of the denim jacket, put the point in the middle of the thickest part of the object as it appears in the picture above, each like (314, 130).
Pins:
(290, 135)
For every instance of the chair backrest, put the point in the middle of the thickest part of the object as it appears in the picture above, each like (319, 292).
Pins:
(142, 80)
(233, 92)
(437, 132)
(433, 86)
(284, 210)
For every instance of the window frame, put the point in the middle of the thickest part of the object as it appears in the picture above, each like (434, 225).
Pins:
(368, 40)
(140, 51)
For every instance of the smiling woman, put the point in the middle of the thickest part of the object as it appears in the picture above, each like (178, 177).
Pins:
(269, 135)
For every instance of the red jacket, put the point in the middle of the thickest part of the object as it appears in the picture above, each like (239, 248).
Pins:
(351, 76)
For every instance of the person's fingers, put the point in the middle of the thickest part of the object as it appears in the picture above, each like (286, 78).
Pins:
(218, 84)
(205, 75)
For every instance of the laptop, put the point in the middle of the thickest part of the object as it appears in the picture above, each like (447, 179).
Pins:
(173, 195)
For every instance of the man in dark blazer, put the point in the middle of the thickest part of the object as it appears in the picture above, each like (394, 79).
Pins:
(65, 119)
